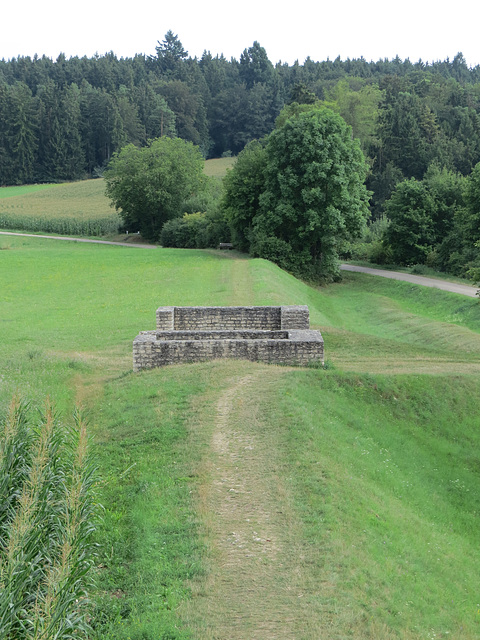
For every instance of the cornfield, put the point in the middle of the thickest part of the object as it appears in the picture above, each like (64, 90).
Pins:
(47, 519)
(74, 208)
(65, 226)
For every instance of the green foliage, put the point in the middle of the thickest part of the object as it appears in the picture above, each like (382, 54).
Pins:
(148, 186)
(170, 53)
(243, 185)
(47, 520)
(411, 233)
(195, 231)
(371, 247)
(359, 107)
(314, 197)
(255, 67)
(434, 221)
(471, 222)
(203, 223)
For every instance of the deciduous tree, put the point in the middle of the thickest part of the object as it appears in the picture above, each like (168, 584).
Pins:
(411, 211)
(315, 196)
(148, 186)
(309, 185)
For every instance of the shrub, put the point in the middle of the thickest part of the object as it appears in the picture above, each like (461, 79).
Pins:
(195, 231)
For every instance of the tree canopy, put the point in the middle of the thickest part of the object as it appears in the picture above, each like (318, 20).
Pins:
(311, 197)
(149, 185)
(63, 119)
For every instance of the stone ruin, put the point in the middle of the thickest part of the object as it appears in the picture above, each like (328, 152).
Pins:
(278, 335)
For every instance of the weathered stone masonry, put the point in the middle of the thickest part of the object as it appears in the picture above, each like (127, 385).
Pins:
(280, 335)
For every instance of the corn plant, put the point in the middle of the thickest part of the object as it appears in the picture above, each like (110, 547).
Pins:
(47, 518)
(62, 225)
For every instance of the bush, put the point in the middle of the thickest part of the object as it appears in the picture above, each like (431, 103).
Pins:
(195, 231)
(379, 253)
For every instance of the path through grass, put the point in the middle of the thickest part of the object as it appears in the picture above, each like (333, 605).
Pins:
(361, 485)
(254, 584)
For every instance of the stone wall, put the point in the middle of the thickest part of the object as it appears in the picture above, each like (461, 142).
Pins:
(278, 335)
(218, 318)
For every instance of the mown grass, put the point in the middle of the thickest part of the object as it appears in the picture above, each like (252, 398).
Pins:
(387, 481)
(10, 192)
(384, 468)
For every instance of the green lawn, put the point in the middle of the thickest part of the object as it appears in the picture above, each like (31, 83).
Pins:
(379, 453)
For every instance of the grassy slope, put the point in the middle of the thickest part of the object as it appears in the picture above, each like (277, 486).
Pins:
(383, 468)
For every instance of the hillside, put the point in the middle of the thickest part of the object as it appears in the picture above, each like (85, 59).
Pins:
(252, 501)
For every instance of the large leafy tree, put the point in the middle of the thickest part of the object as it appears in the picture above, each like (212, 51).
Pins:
(314, 195)
(148, 186)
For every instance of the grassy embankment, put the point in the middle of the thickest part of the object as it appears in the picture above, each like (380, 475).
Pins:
(372, 466)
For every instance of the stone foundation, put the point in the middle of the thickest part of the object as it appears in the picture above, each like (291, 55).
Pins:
(279, 335)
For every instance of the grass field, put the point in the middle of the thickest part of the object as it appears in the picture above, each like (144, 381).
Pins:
(252, 501)
(217, 167)
(76, 208)
(10, 192)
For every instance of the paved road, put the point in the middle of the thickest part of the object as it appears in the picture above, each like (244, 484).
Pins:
(463, 289)
(117, 244)
(453, 287)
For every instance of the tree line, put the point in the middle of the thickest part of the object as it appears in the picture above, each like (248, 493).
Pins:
(63, 119)
(418, 126)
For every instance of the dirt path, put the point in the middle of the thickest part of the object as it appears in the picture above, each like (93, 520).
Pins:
(256, 582)
(88, 240)
(452, 287)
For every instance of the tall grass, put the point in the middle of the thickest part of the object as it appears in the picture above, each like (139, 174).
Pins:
(47, 519)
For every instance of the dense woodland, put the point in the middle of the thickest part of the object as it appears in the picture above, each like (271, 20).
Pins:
(63, 119)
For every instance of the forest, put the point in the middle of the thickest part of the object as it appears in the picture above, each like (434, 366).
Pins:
(419, 122)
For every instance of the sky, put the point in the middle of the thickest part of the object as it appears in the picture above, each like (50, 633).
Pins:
(415, 29)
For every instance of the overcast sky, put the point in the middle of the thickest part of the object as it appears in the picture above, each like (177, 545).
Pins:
(289, 31)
